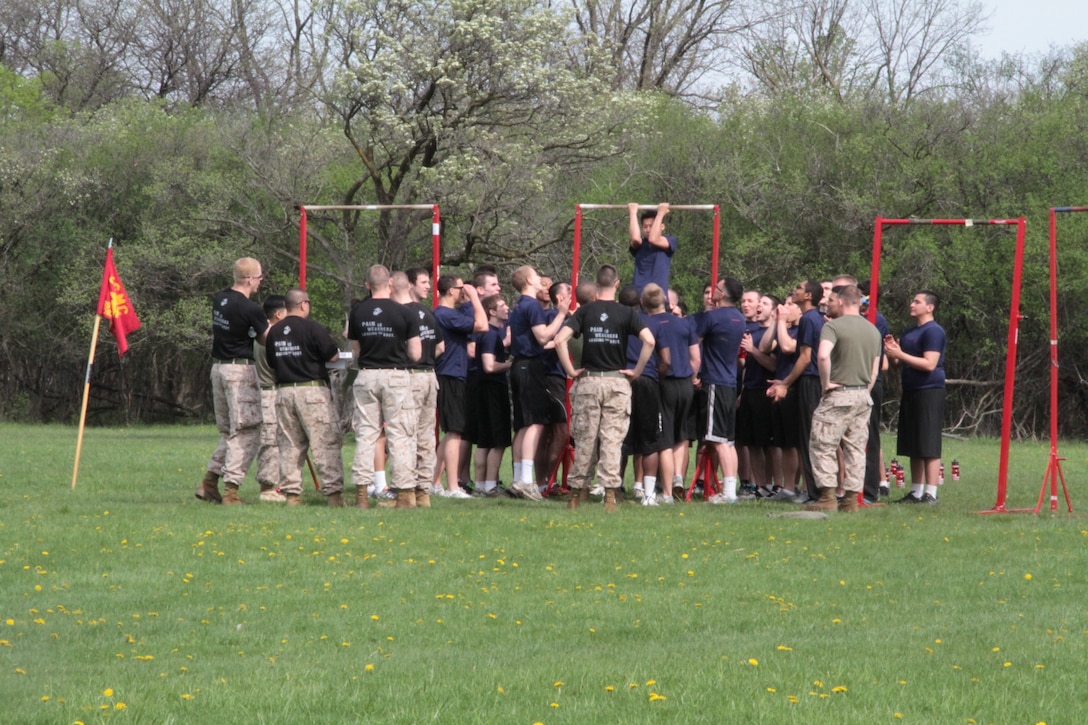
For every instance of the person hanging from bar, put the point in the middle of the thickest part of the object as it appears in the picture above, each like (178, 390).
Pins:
(652, 250)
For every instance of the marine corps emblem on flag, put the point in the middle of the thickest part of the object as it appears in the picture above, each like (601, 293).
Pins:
(114, 305)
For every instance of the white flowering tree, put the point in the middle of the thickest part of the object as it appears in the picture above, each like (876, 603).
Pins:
(479, 103)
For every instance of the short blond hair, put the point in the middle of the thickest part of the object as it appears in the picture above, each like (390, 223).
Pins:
(521, 277)
(245, 268)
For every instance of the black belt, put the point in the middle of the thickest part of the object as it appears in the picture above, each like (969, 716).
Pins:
(376, 370)
(421, 370)
(604, 373)
(307, 384)
(234, 361)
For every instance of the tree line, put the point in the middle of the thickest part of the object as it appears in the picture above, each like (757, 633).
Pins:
(190, 131)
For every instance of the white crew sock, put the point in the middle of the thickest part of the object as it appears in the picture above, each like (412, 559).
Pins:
(917, 489)
(490, 486)
(517, 471)
(730, 487)
(527, 473)
(649, 486)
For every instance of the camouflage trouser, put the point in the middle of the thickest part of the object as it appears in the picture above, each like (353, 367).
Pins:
(384, 396)
(307, 421)
(842, 417)
(425, 399)
(268, 453)
(237, 400)
(600, 415)
(342, 399)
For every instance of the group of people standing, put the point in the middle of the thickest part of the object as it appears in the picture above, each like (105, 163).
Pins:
(775, 391)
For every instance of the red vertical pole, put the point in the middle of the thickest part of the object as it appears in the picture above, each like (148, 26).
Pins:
(715, 245)
(436, 252)
(577, 251)
(1010, 368)
(874, 271)
(302, 248)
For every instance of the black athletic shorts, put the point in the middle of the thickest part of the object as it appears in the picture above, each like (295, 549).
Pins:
(721, 413)
(557, 398)
(492, 415)
(677, 406)
(754, 418)
(451, 404)
(784, 433)
(644, 432)
(921, 418)
(529, 393)
(472, 412)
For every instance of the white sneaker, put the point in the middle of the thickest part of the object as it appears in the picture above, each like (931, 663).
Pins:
(597, 490)
(438, 491)
(667, 500)
(650, 500)
(784, 495)
(638, 490)
(457, 493)
(272, 496)
(722, 498)
(527, 491)
(385, 494)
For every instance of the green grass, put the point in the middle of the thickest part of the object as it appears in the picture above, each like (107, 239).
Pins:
(503, 611)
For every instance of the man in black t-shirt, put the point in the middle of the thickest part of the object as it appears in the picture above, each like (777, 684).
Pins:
(385, 338)
(236, 395)
(424, 381)
(297, 350)
(601, 396)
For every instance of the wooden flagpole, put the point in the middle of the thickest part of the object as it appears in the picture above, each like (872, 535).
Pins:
(87, 389)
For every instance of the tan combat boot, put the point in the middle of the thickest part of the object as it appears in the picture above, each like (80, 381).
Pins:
(362, 499)
(610, 497)
(423, 497)
(826, 502)
(230, 495)
(335, 500)
(293, 499)
(849, 503)
(578, 496)
(208, 489)
(406, 498)
(269, 494)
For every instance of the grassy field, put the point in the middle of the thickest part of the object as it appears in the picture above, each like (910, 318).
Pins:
(128, 601)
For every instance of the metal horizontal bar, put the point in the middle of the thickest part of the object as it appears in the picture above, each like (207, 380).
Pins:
(364, 207)
(952, 222)
(672, 207)
(1069, 208)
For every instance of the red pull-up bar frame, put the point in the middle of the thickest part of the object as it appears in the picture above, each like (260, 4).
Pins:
(1014, 323)
(436, 227)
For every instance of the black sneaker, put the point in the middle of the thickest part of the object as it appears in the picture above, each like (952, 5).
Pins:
(928, 498)
(885, 491)
(909, 498)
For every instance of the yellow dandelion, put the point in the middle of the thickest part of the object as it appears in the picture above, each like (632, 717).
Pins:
(108, 692)
(784, 648)
(1027, 576)
(557, 683)
(817, 683)
(1008, 664)
(771, 689)
(375, 617)
(838, 688)
(20, 671)
(654, 697)
(609, 688)
(899, 715)
(836, 621)
(120, 706)
(792, 698)
(650, 682)
(753, 662)
(187, 696)
(45, 698)
(369, 667)
(554, 704)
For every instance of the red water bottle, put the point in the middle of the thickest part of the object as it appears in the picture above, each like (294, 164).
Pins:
(940, 476)
(900, 477)
(955, 470)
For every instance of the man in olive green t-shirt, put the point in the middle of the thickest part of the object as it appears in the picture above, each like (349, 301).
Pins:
(848, 360)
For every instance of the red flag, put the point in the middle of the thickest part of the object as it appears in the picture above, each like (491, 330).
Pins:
(115, 306)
